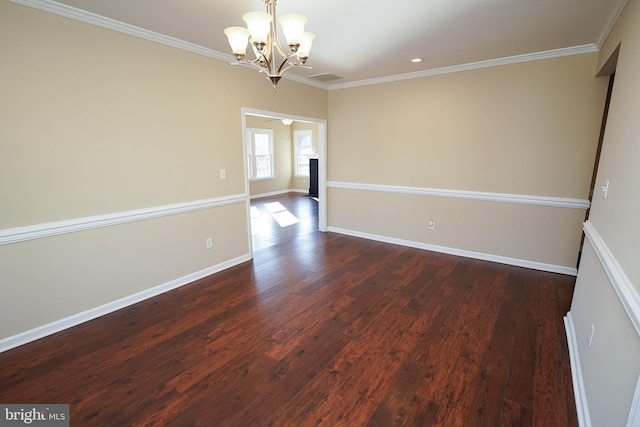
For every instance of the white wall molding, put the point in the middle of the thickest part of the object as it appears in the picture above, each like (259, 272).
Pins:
(38, 231)
(461, 252)
(548, 54)
(624, 288)
(277, 193)
(634, 413)
(559, 202)
(124, 28)
(94, 313)
(580, 393)
(121, 27)
(611, 22)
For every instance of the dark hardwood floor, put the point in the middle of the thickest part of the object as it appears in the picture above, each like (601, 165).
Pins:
(319, 329)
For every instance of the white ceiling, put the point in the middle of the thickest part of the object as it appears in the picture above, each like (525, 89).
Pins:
(365, 39)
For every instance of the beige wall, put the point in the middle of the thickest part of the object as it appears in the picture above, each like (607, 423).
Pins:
(611, 366)
(470, 224)
(529, 129)
(95, 122)
(284, 156)
(616, 217)
(299, 183)
(281, 153)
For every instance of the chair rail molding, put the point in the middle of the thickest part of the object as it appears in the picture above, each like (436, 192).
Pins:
(622, 284)
(38, 231)
(524, 199)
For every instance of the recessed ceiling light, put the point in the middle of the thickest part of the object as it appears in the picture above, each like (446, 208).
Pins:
(416, 60)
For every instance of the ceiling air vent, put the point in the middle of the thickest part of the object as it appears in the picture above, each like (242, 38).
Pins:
(325, 77)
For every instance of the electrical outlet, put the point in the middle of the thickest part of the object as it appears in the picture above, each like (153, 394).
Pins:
(223, 174)
(209, 242)
(432, 224)
(591, 334)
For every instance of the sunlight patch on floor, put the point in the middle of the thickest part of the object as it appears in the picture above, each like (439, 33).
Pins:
(280, 214)
(274, 207)
(285, 218)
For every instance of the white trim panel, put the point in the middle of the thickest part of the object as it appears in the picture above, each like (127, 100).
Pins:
(611, 22)
(634, 414)
(277, 193)
(121, 27)
(38, 231)
(124, 28)
(85, 316)
(555, 53)
(461, 252)
(624, 288)
(559, 202)
(580, 393)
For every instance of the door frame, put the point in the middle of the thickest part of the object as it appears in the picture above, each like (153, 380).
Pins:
(322, 163)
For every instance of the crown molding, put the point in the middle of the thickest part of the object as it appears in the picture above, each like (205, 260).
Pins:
(124, 28)
(548, 54)
(121, 27)
(611, 23)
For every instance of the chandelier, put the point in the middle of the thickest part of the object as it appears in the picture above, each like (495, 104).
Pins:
(270, 57)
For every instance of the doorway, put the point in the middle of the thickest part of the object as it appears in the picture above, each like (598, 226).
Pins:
(248, 115)
(611, 63)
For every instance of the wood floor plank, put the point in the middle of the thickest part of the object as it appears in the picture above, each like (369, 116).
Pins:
(401, 405)
(356, 379)
(548, 408)
(524, 287)
(515, 415)
(489, 395)
(473, 333)
(318, 329)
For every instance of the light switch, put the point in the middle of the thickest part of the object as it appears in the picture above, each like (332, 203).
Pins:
(605, 189)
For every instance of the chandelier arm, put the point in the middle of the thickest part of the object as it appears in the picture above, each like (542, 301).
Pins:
(266, 60)
(294, 65)
(254, 63)
(284, 67)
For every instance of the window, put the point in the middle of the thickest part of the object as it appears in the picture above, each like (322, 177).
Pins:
(303, 147)
(260, 153)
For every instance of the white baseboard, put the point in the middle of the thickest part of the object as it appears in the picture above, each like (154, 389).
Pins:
(582, 407)
(634, 413)
(277, 193)
(461, 252)
(93, 313)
